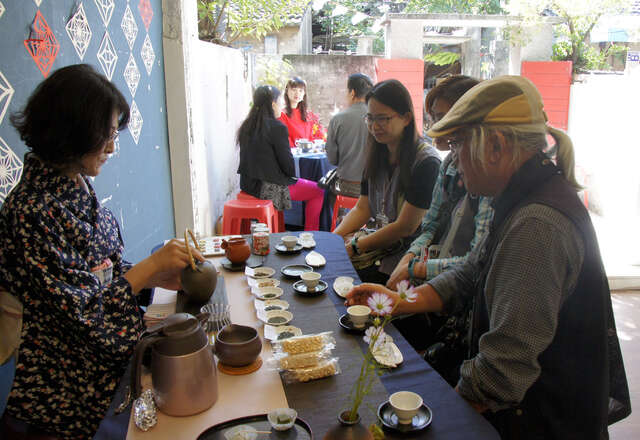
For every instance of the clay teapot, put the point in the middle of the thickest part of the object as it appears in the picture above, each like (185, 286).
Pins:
(236, 249)
(183, 370)
(199, 279)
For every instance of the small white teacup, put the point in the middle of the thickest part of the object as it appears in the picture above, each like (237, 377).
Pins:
(310, 279)
(358, 315)
(290, 241)
(405, 405)
(306, 236)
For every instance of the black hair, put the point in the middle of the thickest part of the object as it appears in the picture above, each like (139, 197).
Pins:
(69, 114)
(261, 109)
(393, 94)
(450, 89)
(296, 82)
(360, 84)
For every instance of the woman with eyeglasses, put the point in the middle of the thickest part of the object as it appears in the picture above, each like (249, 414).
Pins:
(301, 122)
(266, 169)
(61, 255)
(396, 188)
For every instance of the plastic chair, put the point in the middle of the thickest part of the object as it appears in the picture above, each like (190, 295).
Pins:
(342, 202)
(280, 223)
(235, 211)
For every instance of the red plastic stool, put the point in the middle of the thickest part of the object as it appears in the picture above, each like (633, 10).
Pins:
(235, 211)
(342, 202)
(280, 223)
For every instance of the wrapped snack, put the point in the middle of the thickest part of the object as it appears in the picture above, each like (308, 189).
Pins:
(305, 343)
(285, 361)
(323, 369)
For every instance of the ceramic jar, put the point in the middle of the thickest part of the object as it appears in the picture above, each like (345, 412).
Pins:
(236, 250)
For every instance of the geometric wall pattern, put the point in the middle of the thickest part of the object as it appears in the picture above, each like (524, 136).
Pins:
(42, 44)
(79, 31)
(107, 56)
(146, 12)
(135, 122)
(147, 54)
(132, 75)
(6, 93)
(102, 33)
(105, 8)
(129, 27)
(10, 169)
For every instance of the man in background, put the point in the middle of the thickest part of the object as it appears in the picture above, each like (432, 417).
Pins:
(347, 137)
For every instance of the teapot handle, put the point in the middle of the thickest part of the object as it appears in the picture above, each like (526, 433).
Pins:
(141, 348)
(186, 245)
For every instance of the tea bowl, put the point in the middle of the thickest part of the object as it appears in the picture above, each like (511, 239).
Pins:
(290, 241)
(237, 345)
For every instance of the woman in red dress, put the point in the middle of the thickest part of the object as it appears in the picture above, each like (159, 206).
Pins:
(301, 122)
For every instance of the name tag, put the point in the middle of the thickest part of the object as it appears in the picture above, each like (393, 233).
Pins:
(104, 271)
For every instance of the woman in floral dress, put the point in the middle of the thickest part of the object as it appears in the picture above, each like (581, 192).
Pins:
(61, 255)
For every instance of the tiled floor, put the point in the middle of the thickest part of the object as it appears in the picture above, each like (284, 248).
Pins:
(626, 306)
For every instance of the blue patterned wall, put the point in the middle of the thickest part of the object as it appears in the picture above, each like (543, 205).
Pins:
(123, 40)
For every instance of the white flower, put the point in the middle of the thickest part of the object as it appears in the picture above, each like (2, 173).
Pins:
(375, 334)
(380, 303)
(407, 291)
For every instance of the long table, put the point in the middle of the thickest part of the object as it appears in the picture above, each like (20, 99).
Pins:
(319, 402)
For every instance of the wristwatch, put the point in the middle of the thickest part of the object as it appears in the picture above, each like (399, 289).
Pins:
(412, 262)
(354, 245)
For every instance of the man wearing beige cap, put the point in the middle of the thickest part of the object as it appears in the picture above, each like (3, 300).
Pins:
(545, 361)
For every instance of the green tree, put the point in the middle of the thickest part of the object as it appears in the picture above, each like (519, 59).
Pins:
(223, 21)
(342, 21)
(579, 18)
(478, 7)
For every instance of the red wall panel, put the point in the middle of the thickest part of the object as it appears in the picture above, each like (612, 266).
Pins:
(410, 72)
(553, 80)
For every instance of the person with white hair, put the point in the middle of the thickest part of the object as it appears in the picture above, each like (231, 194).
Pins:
(545, 360)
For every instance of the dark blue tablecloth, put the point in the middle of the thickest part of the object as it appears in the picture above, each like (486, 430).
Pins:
(311, 167)
(319, 402)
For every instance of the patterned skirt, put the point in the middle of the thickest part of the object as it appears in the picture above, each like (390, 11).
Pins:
(278, 194)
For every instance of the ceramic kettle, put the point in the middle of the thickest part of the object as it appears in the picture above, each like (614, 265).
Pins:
(183, 370)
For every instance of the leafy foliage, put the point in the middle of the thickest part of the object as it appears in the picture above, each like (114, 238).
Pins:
(344, 20)
(455, 6)
(223, 21)
(273, 71)
(442, 58)
(579, 18)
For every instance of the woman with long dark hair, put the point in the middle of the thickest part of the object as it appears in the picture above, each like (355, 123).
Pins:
(301, 122)
(396, 188)
(266, 167)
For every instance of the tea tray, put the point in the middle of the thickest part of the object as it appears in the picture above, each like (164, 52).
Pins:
(299, 431)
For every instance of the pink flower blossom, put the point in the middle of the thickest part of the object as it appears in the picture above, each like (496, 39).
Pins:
(380, 303)
(407, 291)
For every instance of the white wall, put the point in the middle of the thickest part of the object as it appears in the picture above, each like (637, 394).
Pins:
(603, 124)
(221, 102)
(207, 99)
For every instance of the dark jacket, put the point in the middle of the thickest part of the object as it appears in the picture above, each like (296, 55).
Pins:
(582, 387)
(266, 158)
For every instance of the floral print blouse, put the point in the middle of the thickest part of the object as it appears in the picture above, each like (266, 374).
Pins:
(78, 334)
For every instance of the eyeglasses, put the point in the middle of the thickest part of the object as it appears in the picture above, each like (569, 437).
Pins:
(112, 137)
(456, 144)
(382, 121)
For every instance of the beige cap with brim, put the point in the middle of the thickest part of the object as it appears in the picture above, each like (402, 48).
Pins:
(511, 100)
